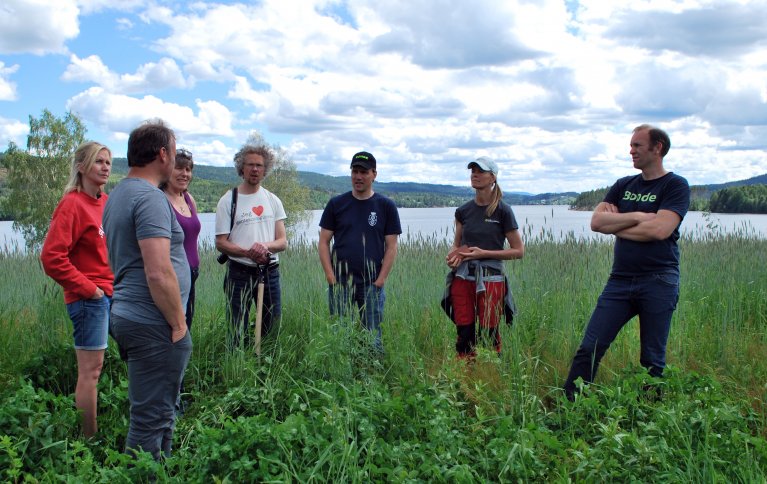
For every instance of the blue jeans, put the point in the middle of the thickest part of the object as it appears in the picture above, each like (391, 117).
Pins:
(90, 322)
(653, 298)
(369, 301)
(241, 288)
(156, 368)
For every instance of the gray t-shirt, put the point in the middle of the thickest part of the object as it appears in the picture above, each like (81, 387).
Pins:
(138, 210)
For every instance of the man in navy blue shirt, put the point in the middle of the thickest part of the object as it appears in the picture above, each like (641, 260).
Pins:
(644, 213)
(364, 227)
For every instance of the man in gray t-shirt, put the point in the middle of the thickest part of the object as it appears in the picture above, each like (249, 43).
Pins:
(152, 280)
(144, 213)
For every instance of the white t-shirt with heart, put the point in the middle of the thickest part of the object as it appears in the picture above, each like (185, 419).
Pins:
(254, 220)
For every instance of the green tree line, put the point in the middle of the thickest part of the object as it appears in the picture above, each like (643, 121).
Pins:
(32, 181)
(589, 200)
(742, 199)
(35, 177)
(734, 199)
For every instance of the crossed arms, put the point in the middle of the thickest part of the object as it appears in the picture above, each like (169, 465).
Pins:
(636, 226)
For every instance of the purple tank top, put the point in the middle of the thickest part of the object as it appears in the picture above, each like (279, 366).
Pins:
(191, 226)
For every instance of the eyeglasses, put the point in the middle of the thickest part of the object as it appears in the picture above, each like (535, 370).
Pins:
(184, 153)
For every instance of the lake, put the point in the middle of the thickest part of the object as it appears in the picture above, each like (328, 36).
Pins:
(555, 221)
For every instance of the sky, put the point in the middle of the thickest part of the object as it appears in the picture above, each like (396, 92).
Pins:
(551, 90)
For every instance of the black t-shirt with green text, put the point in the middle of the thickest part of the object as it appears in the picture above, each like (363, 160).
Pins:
(634, 194)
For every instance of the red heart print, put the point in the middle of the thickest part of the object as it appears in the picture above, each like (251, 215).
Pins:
(258, 210)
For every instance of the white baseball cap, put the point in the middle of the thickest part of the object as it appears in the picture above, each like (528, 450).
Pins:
(485, 164)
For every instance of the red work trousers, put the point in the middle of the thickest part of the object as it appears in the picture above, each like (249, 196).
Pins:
(470, 307)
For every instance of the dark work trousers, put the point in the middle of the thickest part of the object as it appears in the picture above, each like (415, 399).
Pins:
(156, 367)
(241, 288)
(190, 302)
(653, 298)
(190, 313)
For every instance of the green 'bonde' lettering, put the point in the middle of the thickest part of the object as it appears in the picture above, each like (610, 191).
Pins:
(637, 197)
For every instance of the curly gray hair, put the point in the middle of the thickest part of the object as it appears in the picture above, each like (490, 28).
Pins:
(262, 150)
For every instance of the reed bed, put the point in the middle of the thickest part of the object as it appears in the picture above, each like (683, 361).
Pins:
(319, 406)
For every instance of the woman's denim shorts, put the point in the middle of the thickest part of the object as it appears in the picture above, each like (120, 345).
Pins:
(90, 320)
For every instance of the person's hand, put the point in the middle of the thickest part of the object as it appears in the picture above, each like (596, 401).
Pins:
(98, 294)
(453, 261)
(255, 251)
(454, 257)
(472, 253)
(258, 252)
(379, 283)
(331, 278)
(178, 334)
(263, 259)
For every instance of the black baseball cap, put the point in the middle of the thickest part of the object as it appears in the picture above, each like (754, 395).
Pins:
(365, 160)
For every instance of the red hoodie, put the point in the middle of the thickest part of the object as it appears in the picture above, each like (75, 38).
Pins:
(75, 251)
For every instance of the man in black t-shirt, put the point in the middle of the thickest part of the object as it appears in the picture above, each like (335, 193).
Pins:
(364, 227)
(644, 213)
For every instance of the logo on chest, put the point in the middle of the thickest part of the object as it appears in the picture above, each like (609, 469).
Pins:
(258, 210)
(638, 197)
(372, 219)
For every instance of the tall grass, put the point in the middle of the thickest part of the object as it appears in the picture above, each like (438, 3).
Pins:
(319, 405)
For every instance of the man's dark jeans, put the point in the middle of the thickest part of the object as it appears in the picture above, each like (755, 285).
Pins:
(653, 298)
(241, 288)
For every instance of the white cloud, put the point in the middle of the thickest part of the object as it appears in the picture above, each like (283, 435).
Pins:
(7, 87)
(94, 6)
(149, 77)
(452, 34)
(154, 76)
(121, 113)
(214, 153)
(37, 26)
(203, 71)
(124, 23)
(13, 130)
(550, 89)
(89, 69)
(719, 30)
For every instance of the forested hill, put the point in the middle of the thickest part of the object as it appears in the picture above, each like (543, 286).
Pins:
(210, 182)
(702, 190)
(408, 194)
(742, 196)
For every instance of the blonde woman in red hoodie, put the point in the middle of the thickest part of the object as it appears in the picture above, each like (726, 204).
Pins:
(75, 256)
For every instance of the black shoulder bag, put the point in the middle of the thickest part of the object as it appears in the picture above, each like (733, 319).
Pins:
(223, 257)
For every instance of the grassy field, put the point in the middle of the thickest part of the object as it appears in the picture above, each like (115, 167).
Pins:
(317, 407)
